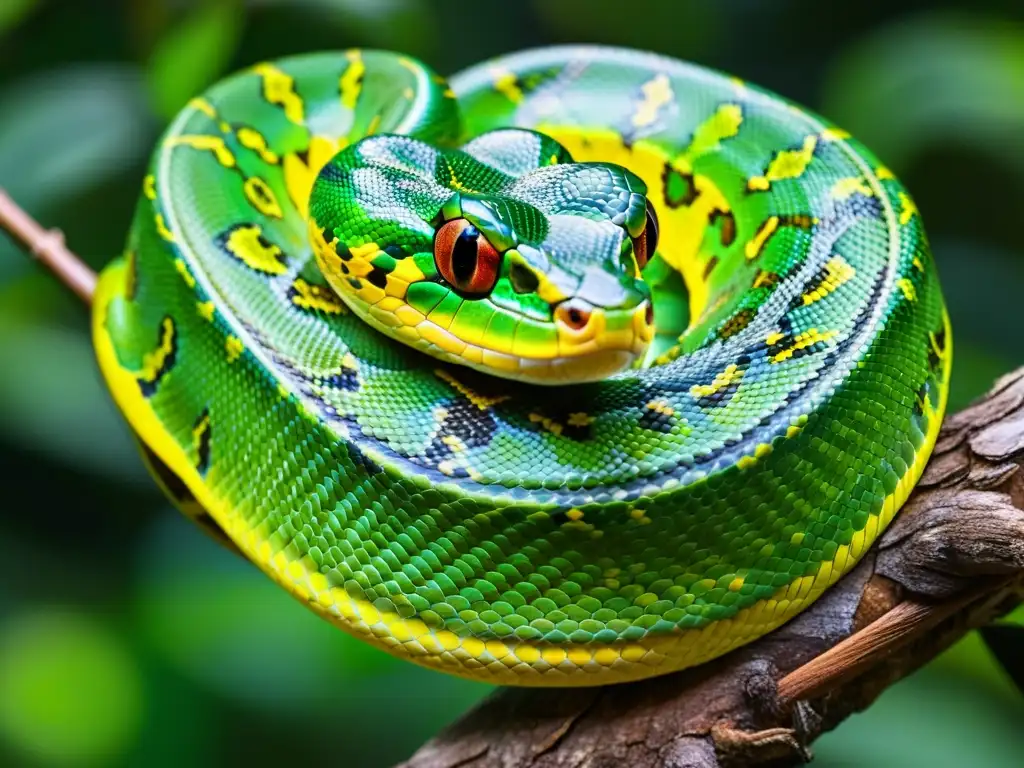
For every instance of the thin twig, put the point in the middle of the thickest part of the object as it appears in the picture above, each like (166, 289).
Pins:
(47, 246)
(861, 650)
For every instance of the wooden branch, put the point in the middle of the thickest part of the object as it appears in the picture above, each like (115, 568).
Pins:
(47, 246)
(952, 560)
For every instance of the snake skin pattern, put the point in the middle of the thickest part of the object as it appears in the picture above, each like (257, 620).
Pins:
(314, 392)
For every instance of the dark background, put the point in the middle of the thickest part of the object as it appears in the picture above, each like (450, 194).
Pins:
(126, 638)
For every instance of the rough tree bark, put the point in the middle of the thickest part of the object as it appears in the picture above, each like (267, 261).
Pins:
(952, 560)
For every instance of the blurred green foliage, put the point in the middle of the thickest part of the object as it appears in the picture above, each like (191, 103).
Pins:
(127, 638)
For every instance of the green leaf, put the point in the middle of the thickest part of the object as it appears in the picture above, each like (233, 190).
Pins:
(931, 79)
(52, 401)
(409, 26)
(13, 11)
(667, 26)
(930, 719)
(70, 693)
(64, 132)
(225, 625)
(193, 54)
(1005, 642)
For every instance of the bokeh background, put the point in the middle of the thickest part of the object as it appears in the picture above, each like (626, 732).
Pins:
(127, 638)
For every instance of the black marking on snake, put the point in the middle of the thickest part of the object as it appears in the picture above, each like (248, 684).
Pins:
(766, 279)
(167, 347)
(812, 285)
(710, 266)
(360, 459)
(736, 323)
(464, 425)
(131, 260)
(343, 252)
(657, 418)
(726, 222)
(227, 242)
(937, 349)
(680, 189)
(723, 396)
(346, 379)
(859, 205)
(377, 276)
(355, 282)
(203, 431)
(175, 487)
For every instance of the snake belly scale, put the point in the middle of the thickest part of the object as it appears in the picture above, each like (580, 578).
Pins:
(584, 366)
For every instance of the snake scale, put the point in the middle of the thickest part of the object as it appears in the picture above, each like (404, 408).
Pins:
(583, 366)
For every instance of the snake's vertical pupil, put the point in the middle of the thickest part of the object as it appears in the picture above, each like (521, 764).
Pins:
(466, 259)
(464, 254)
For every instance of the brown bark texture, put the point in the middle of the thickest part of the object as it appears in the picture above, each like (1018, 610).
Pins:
(953, 560)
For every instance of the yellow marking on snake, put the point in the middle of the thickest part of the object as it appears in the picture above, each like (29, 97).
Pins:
(248, 246)
(662, 407)
(252, 139)
(802, 341)
(907, 208)
(756, 245)
(234, 348)
(722, 380)
(161, 228)
(182, 270)
(787, 164)
(279, 90)
(300, 174)
(482, 402)
(505, 84)
(838, 271)
(154, 363)
(656, 94)
(206, 310)
(834, 134)
(552, 426)
(149, 186)
(907, 287)
(351, 83)
(199, 432)
(723, 124)
(200, 104)
(846, 188)
(308, 296)
(262, 197)
(213, 144)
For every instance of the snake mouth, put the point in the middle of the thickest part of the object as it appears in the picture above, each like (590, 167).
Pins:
(593, 343)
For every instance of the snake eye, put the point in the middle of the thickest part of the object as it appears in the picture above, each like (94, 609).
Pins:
(465, 258)
(646, 243)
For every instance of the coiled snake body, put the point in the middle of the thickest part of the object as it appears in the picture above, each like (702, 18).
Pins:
(585, 366)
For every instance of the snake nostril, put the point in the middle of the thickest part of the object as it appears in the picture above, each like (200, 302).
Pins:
(573, 315)
(649, 313)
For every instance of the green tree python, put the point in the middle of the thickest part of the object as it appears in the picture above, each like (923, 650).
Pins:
(583, 366)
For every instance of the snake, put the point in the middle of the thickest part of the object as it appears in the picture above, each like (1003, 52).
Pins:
(582, 366)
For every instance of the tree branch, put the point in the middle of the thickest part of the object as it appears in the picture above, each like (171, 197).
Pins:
(953, 560)
(47, 246)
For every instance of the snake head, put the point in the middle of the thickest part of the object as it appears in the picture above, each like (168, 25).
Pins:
(503, 255)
